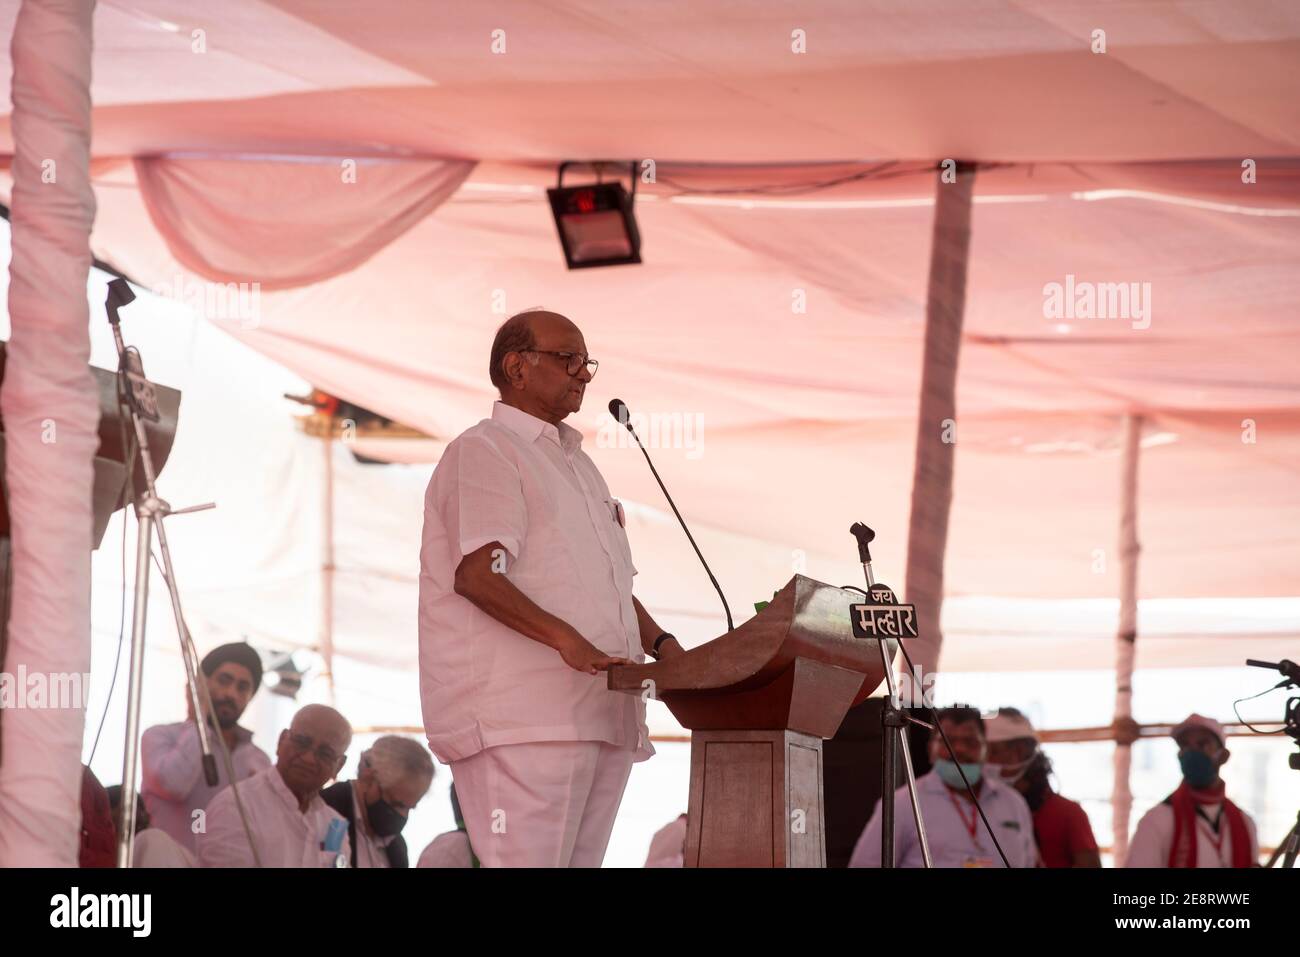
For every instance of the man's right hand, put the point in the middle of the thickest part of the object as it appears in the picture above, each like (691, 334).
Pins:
(581, 655)
(189, 707)
(480, 582)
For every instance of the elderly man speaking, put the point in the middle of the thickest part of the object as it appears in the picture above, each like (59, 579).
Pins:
(525, 599)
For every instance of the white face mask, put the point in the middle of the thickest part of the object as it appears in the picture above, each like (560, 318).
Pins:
(1011, 773)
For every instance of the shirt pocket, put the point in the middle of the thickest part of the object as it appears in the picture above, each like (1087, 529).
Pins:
(618, 534)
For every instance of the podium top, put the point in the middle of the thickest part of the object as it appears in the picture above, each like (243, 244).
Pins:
(110, 492)
(800, 647)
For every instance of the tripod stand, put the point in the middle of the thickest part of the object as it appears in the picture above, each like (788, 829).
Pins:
(894, 723)
(1289, 849)
(138, 395)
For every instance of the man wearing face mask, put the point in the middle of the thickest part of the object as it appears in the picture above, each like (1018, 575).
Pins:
(957, 835)
(1196, 826)
(392, 777)
(1061, 826)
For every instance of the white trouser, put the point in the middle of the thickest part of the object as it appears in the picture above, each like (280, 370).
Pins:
(542, 804)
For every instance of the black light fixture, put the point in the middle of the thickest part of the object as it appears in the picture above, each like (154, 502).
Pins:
(595, 220)
(288, 676)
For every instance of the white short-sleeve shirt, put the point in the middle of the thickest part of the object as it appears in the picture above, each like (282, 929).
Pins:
(956, 836)
(520, 481)
(286, 836)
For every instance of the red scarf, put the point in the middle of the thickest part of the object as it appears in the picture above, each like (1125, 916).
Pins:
(1182, 852)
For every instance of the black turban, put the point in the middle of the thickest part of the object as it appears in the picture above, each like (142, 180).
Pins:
(239, 652)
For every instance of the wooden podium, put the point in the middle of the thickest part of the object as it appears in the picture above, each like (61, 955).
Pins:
(759, 700)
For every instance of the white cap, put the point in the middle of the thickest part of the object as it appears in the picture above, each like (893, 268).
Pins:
(1199, 721)
(1008, 727)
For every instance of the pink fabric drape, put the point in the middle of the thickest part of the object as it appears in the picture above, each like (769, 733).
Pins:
(288, 221)
(834, 388)
(51, 414)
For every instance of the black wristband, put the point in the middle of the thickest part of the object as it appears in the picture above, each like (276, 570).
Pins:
(654, 650)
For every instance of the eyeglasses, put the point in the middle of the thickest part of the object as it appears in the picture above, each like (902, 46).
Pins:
(574, 361)
(326, 755)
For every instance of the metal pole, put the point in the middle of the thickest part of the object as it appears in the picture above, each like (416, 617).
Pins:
(143, 547)
(150, 511)
(894, 735)
(327, 570)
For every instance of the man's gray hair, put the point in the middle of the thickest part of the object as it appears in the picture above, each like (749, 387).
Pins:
(515, 335)
(396, 758)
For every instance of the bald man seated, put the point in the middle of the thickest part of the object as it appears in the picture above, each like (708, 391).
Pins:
(288, 823)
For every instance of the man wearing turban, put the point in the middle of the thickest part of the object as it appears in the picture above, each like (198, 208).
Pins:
(174, 790)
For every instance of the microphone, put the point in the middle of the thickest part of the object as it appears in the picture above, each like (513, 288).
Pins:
(618, 409)
(1289, 669)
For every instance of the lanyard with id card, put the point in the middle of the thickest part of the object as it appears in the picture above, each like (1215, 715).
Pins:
(979, 859)
(333, 843)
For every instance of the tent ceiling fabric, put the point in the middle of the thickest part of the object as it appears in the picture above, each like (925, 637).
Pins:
(297, 221)
(716, 82)
(775, 326)
(789, 425)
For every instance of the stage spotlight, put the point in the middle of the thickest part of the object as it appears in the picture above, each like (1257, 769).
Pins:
(287, 675)
(595, 221)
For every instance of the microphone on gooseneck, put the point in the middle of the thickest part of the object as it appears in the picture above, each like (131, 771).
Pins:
(1289, 669)
(618, 409)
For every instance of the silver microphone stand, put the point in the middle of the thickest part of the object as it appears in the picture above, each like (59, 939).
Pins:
(150, 511)
(894, 722)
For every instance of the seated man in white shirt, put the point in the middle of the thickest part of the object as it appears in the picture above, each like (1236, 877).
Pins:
(1196, 826)
(957, 835)
(288, 823)
(525, 599)
(173, 786)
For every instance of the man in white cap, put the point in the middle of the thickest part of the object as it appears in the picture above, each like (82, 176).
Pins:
(525, 600)
(1196, 826)
(1061, 826)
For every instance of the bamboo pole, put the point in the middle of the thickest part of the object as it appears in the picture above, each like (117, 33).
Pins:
(1126, 636)
(936, 421)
